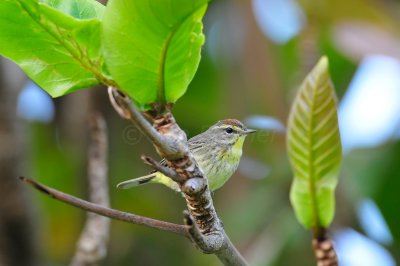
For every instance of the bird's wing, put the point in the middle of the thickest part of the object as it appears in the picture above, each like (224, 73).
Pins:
(195, 143)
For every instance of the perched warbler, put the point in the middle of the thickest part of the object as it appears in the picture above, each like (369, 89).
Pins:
(217, 151)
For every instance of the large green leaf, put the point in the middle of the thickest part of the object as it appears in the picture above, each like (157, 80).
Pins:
(152, 47)
(314, 148)
(59, 51)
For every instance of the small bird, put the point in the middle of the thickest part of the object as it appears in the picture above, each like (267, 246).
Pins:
(217, 151)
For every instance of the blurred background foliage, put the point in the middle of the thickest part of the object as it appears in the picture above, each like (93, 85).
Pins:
(256, 54)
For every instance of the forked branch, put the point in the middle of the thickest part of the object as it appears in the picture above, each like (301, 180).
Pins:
(204, 227)
(202, 224)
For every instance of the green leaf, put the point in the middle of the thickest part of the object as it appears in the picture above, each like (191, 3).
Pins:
(81, 9)
(60, 52)
(152, 47)
(314, 149)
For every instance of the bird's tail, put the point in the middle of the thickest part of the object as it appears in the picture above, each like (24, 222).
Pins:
(136, 181)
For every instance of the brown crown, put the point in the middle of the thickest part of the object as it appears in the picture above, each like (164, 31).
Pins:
(232, 122)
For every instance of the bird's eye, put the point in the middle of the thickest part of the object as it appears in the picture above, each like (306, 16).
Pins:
(229, 130)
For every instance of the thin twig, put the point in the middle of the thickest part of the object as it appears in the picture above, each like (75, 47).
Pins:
(108, 212)
(92, 244)
(162, 169)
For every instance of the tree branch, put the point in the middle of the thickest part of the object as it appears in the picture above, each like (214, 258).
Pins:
(108, 212)
(92, 244)
(205, 228)
(324, 251)
(124, 107)
(207, 243)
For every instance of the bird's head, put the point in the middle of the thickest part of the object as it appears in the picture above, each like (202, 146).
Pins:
(230, 133)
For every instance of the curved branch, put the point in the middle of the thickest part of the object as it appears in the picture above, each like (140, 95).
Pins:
(108, 212)
(207, 243)
(127, 110)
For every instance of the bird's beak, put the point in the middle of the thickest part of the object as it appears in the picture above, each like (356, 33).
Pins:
(248, 131)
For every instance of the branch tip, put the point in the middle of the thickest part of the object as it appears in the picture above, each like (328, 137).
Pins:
(35, 185)
(118, 101)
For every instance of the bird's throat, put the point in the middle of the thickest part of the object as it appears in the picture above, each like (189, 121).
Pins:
(237, 147)
(233, 155)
